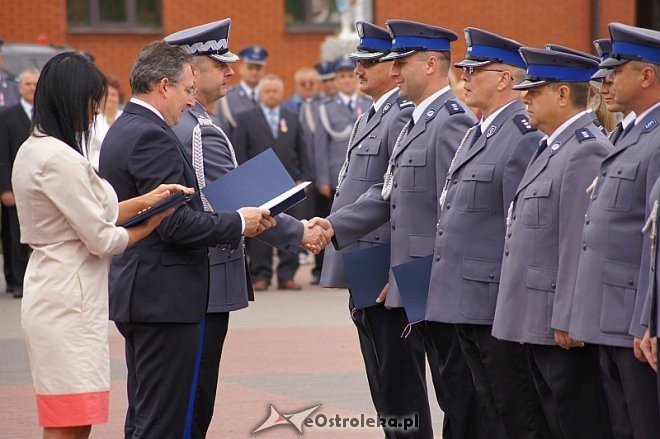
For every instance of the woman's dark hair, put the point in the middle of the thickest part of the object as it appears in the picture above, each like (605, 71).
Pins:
(69, 92)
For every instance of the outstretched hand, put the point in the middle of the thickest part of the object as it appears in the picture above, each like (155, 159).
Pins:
(257, 220)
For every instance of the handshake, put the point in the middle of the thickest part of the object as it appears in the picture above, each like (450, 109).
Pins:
(317, 232)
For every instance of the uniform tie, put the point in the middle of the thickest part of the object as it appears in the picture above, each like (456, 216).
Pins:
(351, 106)
(253, 96)
(477, 134)
(372, 111)
(542, 146)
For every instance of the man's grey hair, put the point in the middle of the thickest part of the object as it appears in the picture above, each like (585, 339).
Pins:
(156, 61)
(273, 77)
(30, 71)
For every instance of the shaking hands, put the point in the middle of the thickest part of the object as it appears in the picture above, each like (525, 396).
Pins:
(317, 234)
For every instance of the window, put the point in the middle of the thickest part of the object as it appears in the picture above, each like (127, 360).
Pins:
(311, 15)
(114, 16)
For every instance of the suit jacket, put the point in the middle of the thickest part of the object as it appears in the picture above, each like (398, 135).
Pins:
(164, 277)
(253, 136)
(330, 151)
(9, 95)
(14, 130)
(369, 154)
(420, 167)
(612, 277)
(230, 287)
(470, 235)
(542, 244)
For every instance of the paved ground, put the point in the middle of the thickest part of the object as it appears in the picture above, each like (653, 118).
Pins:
(293, 350)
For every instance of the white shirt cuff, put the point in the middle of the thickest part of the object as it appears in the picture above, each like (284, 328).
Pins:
(242, 221)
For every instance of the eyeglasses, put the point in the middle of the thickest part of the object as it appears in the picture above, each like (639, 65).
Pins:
(472, 70)
(365, 63)
(192, 91)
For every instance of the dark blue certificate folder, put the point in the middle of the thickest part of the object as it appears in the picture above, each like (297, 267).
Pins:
(367, 271)
(173, 201)
(262, 181)
(413, 280)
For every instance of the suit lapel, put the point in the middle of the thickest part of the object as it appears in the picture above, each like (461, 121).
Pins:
(264, 123)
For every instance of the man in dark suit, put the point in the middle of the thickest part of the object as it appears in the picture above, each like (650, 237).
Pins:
(14, 130)
(271, 125)
(159, 287)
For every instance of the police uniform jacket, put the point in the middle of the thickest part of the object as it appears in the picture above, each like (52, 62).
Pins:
(542, 243)
(369, 153)
(612, 278)
(329, 148)
(230, 287)
(470, 234)
(420, 167)
(235, 102)
(9, 94)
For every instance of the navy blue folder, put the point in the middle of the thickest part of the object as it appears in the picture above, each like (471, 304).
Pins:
(368, 271)
(173, 201)
(259, 181)
(413, 280)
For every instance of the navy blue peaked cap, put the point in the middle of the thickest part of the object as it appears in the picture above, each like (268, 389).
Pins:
(210, 39)
(604, 49)
(375, 42)
(545, 66)
(325, 69)
(485, 47)
(409, 37)
(254, 55)
(345, 62)
(630, 43)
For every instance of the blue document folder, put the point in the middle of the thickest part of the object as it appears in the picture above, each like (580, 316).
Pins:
(173, 201)
(367, 271)
(413, 280)
(261, 181)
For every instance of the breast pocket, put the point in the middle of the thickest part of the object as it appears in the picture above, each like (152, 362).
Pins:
(617, 190)
(619, 290)
(413, 173)
(365, 155)
(537, 205)
(474, 193)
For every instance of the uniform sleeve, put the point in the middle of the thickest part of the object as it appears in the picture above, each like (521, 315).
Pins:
(65, 180)
(156, 159)
(637, 326)
(580, 170)
(286, 235)
(516, 166)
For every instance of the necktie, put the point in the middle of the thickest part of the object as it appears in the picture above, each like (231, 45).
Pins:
(350, 105)
(630, 126)
(253, 96)
(372, 111)
(616, 133)
(542, 147)
(477, 134)
(272, 119)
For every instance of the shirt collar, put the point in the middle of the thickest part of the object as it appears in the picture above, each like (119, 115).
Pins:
(27, 107)
(563, 127)
(628, 119)
(381, 101)
(249, 89)
(485, 123)
(267, 111)
(641, 117)
(150, 107)
(421, 108)
(346, 98)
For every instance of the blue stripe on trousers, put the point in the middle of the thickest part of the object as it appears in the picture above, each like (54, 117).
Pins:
(187, 432)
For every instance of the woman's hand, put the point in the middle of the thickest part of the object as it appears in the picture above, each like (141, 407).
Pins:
(163, 192)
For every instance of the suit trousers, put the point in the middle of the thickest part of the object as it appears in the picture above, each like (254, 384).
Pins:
(323, 205)
(396, 382)
(6, 247)
(453, 383)
(261, 262)
(161, 360)
(19, 254)
(630, 389)
(503, 386)
(209, 368)
(568, 386)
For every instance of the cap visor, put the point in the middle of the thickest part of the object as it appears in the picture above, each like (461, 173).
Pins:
(396, 55)
(369, 56)
(254, 61)
(528, 84)
(472, 63)
(612, 62)
(600, 74)
(327, 77)
(226, 57)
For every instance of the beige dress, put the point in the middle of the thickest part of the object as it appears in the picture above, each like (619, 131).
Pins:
(67, 215)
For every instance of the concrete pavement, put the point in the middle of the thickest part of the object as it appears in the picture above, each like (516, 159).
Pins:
(293, 350)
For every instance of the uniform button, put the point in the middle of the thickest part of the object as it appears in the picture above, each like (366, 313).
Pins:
(367, 149)
(474, 175)
(586, 221)
(584, 247)
(631, 282)
(455, 181)
(534, 193)
(410, 160)
(437, 259)
(393, 206)
(553, 285)
(440, 232)
(491, 276)
(506, 252)
(604, 172)
(594, 197)
(395, 184)
(448, 206)
(376, 237)
(393, 227)
(514, 216)
(619, 172)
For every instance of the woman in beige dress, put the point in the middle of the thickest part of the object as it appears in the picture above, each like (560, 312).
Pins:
(67, 214)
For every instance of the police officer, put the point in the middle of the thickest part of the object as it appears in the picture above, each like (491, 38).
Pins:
(612, 278)
(469, 241)
(210, 151)
(408, 197)
(542, 247)
(336, 117)
(327, 74)
(396, 389)
(245, 95)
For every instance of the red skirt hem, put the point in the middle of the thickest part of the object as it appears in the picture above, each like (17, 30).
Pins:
(73, 409)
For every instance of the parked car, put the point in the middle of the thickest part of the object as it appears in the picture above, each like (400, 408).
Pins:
(19, 56)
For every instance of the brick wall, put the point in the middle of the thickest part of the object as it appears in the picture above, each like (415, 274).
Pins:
(534, 23)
